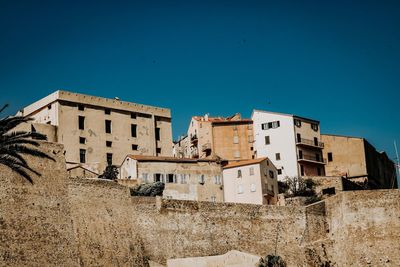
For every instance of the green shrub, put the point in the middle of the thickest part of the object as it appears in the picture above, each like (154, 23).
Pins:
(148, 190)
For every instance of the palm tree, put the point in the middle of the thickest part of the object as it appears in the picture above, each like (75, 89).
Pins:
(15, 144)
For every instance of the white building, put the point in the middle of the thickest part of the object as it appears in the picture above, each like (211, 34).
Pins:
(291, 142)
(251, 181)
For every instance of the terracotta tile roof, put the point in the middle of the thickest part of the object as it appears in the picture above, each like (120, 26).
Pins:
(168, 159)
(244, 163)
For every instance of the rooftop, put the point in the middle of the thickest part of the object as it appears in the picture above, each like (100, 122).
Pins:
(244, 163)
(285, 114)
(168, 159)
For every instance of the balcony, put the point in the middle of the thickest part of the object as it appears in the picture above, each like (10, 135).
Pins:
(269, 193)
(311, 159)
(308, 142)
(206, 146)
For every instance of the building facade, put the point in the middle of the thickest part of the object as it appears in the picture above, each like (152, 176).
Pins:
(356, 159)
(185, 179)
(228, 138)
(97, 131)
(291, 142)
(251, 181)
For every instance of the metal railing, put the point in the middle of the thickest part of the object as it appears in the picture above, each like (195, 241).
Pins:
(310, 142)
(312, 158)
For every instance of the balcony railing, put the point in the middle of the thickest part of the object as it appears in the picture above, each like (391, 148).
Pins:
(309, 142)
(312, 158)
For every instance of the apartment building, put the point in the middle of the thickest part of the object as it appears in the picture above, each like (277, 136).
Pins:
(356, 159)
(228, 138)
(251, 181)
(97, 131)
(291, 142)
(185, 179)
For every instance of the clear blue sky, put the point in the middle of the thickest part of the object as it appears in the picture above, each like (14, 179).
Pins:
(337, 61)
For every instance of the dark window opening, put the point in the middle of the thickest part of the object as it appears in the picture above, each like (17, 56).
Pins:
(330, 156)
(81, 107)
(135, 147)
(157, 177)
(300, 154)
(317, 157)
(133, 130)
(329, 191)
(108, 143)
(107, 111)
(49, 107)
(133, 115)
(315, 141)
(170, 178)
(279, 171)
(158, 150)
(82, 155)
(81, 122)
(267, 141)
(158, 134)
(319, 171)
(278, 156)
(82, 140)
(298, 138)
(108, 126)
(301, 170)
(109, 158)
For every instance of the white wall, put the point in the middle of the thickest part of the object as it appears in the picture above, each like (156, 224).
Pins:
(282, 140)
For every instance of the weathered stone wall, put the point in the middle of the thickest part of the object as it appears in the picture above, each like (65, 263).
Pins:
(71, 222)
(35, 219)
(365, 228)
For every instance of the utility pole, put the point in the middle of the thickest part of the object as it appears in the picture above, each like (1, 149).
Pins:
(397, 163)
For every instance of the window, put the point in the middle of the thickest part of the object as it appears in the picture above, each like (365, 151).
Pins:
(251, 138)
(145, 177)
(319, 171)
(279, 171)
(135, 147)
(330, 156)
(170, 178)
(184, 178)
(82, 140)
(133, 115)
(301, 170)
(267, 141)
(270, 125)
(315, 141)
(157, 134)
(81, 107)
(271, 174)
(109, 158)
(48, 106)
(251, 170)
(82, 155)
(108, 143)
(213, 199)
(297, 123)
(236, 154)
(107, 111)
(314, 126)
(81, 122)
(239, 174)
(158, 177)
(278, 156)
(201, 179)
(236, 139)
(108, 126)
(217, 179)
(158, 150)
(252, 188)
(133, 130)
(298, 138)
(240, 189)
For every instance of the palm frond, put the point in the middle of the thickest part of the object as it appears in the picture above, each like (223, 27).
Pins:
(30, 151)
(10, 123)
(19, 142)
(12, 153)
(23, 134)
(3, 108)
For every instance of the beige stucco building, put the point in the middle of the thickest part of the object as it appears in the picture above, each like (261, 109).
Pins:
(97, 131)
(356, 159)
(228, 138)
(184, 178)
(251, 181)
